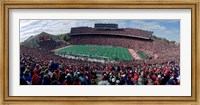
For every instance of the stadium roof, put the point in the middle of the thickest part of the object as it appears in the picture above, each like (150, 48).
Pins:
(130, 32)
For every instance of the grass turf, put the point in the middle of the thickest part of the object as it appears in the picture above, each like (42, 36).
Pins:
(142, 54)
(109, 52)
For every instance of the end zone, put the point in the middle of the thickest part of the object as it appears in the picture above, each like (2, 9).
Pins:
(134, 54)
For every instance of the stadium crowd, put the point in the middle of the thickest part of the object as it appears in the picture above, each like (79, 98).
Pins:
(122, 31)
(42, 67)
(157, 48)
(51, 44)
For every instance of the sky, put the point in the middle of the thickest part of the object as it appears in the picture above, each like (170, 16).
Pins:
(169, 29)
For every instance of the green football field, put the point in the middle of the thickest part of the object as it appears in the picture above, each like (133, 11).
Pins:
(108, 52)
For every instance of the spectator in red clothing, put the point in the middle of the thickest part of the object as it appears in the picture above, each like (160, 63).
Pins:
(36, 70)
(35, 79)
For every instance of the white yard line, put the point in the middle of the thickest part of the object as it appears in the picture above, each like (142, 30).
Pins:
(61, 48)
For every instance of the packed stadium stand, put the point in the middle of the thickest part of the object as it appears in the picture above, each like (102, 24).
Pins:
(111, 30)
(40, 65)
(133, 38)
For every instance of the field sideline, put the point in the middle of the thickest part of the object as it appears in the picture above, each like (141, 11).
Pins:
(107, 52)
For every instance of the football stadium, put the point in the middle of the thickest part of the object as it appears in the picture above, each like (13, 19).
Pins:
(101, 55)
